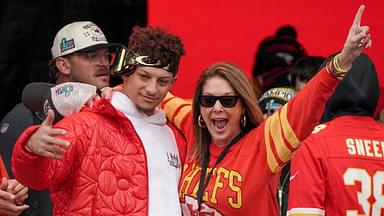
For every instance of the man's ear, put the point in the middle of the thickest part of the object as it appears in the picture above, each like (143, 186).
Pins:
(63, 65)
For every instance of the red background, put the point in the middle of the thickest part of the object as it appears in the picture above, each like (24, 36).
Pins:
(230, 30)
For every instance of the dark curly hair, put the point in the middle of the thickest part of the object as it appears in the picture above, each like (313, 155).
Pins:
(157, 43)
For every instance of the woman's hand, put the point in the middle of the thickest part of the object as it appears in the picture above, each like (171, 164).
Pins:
(8, 203)
(358, 39)
(20, 191)
(107, 92)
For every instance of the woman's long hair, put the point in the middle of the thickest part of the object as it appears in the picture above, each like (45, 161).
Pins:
(243, 88)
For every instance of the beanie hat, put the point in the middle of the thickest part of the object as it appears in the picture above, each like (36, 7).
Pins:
(275, 55)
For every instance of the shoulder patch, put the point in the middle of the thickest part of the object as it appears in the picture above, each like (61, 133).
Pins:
(4, 127)
(318, 128)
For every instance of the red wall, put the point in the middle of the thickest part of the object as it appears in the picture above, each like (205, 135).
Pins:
(230, 30)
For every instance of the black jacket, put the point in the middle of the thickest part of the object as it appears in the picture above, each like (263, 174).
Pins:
(15, 122)
(357, 94)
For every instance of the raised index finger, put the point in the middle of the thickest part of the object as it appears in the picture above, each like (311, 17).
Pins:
(359, 14)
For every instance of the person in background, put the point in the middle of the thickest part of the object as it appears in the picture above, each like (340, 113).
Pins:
(304, 69)
(80, 52)
(12, 194)
(272, 100)
(117, 157)
(301, 72)
(234, 156)
(339, 168)
(274, 57)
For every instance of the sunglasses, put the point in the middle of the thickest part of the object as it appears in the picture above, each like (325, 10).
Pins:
(95, 59)
(125, 59)
(226, 101)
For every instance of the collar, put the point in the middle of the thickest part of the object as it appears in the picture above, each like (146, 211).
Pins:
(125, 105)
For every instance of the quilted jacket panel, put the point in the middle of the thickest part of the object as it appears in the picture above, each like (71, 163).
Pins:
(107, 176)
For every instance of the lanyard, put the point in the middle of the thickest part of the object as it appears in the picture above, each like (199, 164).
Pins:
(202, 186)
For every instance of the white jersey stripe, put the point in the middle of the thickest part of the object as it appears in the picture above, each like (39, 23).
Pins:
(303, 211)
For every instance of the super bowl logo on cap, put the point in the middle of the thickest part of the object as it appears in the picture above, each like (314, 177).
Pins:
(66, 44)
(64, 90)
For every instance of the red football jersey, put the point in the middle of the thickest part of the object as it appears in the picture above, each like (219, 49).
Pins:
(339, 169)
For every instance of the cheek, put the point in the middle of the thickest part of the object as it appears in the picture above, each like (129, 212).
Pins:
(235, 117)
(164, 89)
(236, 114)
(163, 93)
(129, 88)
(204, 112)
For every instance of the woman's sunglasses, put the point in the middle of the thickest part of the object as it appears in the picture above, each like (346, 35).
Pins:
(226, 101)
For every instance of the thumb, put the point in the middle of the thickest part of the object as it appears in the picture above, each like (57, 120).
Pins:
(49, 119)
(4, 184)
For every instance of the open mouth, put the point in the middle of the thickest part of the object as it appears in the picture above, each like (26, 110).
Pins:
(220, 124)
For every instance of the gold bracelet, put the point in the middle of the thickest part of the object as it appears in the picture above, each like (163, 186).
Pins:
(337, 66)
(331, 71)
(339, 71)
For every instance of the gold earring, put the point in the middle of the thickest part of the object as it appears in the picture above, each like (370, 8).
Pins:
(200, 122)
(243, 121)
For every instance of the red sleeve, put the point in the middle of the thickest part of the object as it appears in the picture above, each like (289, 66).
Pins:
(307, 107)
(41, 173)
(307, 180)
(179, 113)
(26, 166)
(3, 170)
(287, 128)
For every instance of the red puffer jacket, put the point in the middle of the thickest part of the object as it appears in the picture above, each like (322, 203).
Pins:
(3, 170)
(103, 172)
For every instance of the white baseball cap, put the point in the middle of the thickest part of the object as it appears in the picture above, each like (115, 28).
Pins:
(78, 36)
(65, 98)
